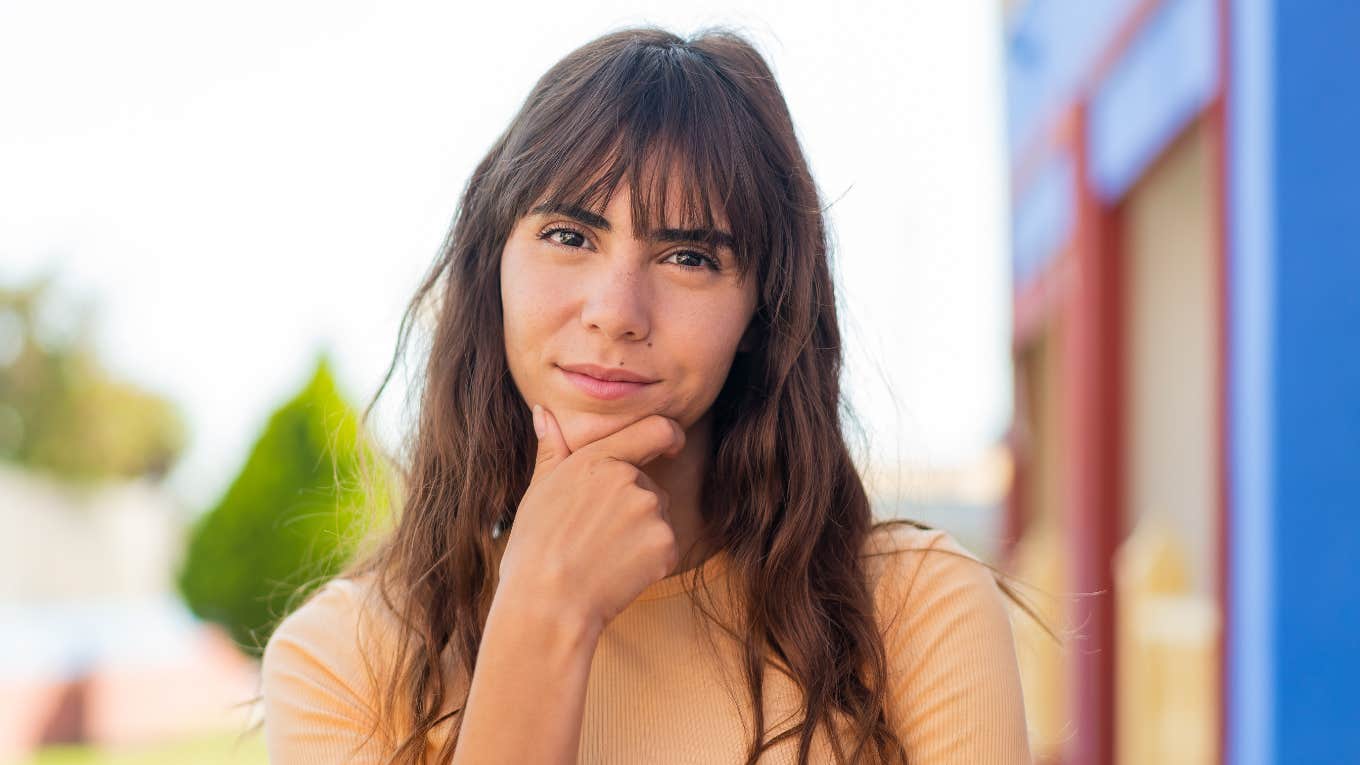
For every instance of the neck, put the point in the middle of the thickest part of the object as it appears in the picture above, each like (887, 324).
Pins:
(682, 478)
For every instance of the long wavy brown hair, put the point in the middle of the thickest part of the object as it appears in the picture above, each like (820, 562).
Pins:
(781, 493)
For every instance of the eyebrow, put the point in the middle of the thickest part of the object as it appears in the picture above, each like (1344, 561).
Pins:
(594, 220)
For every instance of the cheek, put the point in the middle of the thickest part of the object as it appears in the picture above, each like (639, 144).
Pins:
(527, 309)
(707, 345)
(517, 289)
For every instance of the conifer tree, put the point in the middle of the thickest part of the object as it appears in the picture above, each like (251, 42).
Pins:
(290, 520)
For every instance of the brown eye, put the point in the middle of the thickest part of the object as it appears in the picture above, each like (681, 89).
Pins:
(693, 260)
(567, 237)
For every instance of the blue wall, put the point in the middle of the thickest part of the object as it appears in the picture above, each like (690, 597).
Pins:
(1294, 260)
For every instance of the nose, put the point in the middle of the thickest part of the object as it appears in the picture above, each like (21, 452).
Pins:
(617, 302)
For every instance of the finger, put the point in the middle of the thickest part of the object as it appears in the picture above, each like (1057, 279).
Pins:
(642, 441)
(664, 506)
(552, 446)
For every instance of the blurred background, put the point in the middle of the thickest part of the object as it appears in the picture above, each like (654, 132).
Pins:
(1073, 337)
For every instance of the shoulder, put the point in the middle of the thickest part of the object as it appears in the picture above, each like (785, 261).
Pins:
(337, 609)
(313, 620)
(954, 686)
(327, 647)
(905, 561)
(322, 674)
(924, 583)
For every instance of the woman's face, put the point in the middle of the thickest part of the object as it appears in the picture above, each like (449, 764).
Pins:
(581, 288)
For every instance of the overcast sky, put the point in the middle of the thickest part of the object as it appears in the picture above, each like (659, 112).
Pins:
(237, 185)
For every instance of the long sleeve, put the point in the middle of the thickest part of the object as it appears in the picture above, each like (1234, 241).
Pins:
(954, 680)
(318, 699)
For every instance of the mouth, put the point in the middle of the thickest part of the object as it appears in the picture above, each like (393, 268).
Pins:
(596, 382)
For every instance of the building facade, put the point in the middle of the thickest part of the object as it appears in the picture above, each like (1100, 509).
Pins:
(1186, 261)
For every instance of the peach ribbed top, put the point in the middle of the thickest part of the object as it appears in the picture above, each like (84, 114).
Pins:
(663, 689)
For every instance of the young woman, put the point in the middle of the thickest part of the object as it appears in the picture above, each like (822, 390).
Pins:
(632, 531)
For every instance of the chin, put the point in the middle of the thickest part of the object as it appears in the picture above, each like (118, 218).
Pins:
(580, 428)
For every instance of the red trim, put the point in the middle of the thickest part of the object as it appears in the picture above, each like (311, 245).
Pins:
(1091, 503)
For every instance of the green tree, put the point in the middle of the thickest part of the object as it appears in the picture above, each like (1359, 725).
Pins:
(292, 518)
(61, 413)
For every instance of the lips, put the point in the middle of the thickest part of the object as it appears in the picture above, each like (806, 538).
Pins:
(606, 373)
(603, 382)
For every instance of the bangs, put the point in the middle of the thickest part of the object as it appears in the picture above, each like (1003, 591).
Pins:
(660, 118)
(666, 189)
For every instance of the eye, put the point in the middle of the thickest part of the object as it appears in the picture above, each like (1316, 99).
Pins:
(688, 260)
(564, 236)
(694, 260)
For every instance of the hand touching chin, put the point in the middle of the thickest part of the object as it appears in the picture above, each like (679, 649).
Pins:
(580, 428)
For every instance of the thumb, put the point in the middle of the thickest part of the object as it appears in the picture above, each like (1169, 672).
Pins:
(552, 446)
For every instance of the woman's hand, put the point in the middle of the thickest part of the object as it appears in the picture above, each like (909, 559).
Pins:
(590, 534)
(592, 531)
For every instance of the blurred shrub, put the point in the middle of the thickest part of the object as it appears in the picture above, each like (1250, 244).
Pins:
(291, 519)
(60, 411)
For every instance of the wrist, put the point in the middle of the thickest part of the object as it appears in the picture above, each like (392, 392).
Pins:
(535, 611)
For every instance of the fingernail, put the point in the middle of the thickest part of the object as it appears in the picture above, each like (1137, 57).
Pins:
(538, 420)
